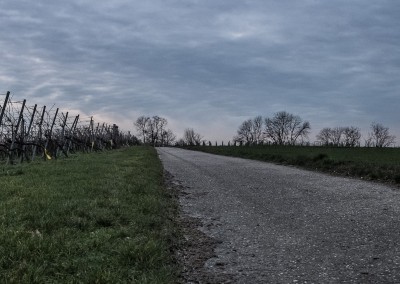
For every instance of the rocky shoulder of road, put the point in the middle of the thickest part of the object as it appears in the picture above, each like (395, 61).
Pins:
(195, 247)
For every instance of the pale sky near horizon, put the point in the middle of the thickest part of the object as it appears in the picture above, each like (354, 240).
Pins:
(209, 64)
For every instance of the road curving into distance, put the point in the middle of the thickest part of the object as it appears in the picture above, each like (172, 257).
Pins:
(279, 224)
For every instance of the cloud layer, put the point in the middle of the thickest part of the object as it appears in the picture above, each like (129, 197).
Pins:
(207, 64)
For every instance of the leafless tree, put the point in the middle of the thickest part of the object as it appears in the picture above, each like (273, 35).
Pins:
(298, 129)
(141, 127)
(250, 131)
(258, 128)
(158, 125)
(336, 135)
(351, 136)
(340, 136)
(153, 130)
(168, 138)
(190, 137)
(380, 136)
(324, 136)
(285, 128)
(244, 132)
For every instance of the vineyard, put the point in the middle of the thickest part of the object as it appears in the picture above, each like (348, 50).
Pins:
(32, 132)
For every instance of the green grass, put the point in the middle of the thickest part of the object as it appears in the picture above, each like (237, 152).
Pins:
(94, 218)
(381, 164)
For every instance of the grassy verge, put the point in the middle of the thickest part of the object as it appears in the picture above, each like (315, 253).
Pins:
(95, 218)
(381, 164)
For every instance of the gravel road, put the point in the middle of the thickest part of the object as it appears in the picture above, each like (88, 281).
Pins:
(278, 224)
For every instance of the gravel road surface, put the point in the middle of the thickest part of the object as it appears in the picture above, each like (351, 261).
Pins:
(277, 224)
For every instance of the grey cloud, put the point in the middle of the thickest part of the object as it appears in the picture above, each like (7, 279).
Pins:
(192, 60)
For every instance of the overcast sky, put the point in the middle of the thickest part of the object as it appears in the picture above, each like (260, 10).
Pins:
(206, 64)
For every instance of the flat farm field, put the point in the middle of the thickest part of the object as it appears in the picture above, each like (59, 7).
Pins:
(379, 164)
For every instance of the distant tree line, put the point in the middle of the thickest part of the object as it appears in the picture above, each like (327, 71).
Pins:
(281, 129)
(350, 136)
(191, 137)
(153, 131)
(284, 128)
(379, 136)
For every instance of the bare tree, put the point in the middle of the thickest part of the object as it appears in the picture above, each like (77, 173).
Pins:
(351, 136)
(276, 129)
(380, 135)
(285, 128)
(324, 136)
(153, 130)
(340, 136)
(244, 132)
(141, 127)
(158, 125)
(258, 129)
(250, 131)
(336, 135)
(168, 138)
(191, 138)
(298, 129)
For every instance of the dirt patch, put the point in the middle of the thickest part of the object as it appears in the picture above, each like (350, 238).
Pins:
(194, 247)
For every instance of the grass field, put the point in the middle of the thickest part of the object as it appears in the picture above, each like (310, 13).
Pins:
(382, 164)
(92, 218)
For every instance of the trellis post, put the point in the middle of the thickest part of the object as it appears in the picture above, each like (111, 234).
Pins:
(28, 133)
(72, 132)
(14, 135)
(49, 135)
(39, 134)
(4, 107)
(62, 137)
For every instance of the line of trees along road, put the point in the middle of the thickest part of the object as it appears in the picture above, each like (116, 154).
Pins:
(340, 136)
(191, 137)
(350, 136)
(153, 131)
(282, 128)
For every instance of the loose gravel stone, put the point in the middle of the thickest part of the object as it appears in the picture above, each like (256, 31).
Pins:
(277, 224)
